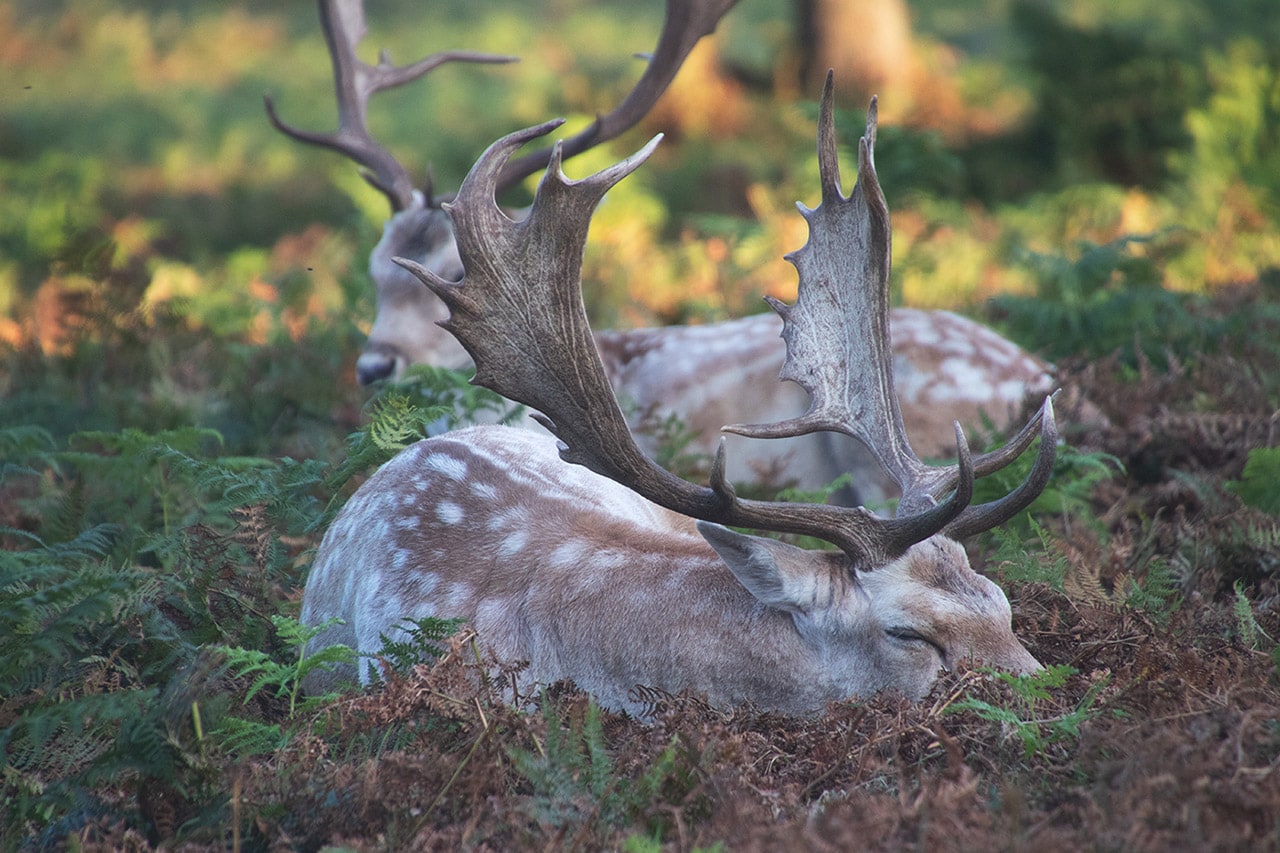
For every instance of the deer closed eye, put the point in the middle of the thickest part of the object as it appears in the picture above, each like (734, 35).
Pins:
(910, 635)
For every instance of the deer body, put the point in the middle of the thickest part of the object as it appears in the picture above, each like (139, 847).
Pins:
(947, 368)
(586, 580)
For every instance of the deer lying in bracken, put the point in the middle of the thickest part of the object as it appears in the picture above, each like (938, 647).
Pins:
(583, 557)
(949, 368)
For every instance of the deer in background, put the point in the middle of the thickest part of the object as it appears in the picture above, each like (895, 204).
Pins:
(582, 556)
(949, 368)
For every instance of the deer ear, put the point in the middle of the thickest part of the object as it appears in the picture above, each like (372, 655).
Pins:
(775, 573)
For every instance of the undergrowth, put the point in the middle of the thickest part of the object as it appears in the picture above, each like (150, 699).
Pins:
(1032, 713)
(144, 635)
(575, 785)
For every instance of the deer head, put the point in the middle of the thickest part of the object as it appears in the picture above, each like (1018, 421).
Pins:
(572, 566)
(404, 331)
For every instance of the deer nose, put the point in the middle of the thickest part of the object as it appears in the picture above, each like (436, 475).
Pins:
(373, 366)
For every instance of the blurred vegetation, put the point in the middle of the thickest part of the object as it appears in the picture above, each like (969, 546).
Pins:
(183, 293)
(134, 139)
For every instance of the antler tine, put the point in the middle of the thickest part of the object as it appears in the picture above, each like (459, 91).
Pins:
(685, 24)
(976, 519)
(355, 82)
(519, 313)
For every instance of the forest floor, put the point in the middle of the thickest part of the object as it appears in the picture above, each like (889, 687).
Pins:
(1157, 727)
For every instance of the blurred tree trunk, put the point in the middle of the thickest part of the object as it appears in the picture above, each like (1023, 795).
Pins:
(867, 42)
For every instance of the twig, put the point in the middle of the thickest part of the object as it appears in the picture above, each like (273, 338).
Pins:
(457, 772)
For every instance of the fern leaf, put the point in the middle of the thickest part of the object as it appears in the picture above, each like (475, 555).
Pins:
(1259, 485)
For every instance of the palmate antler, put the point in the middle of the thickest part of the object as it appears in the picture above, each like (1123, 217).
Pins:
(519, 313)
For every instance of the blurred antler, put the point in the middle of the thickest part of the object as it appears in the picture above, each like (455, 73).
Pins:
(685, 24)
(355, 82)
(519, 313)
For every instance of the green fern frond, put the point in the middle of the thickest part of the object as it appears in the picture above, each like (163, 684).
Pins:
(1259, 485)
(241, 737)
(575, 782)
(452, 400)
(49, 596)
(1075, 475)
(1158, 594)
(23, 440)
(1251, 633)
(421, 642)
(1034, 558)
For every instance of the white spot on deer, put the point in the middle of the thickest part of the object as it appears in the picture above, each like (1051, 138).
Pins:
(514, 543)
(507, 518)
(909, 381)
(604, 563)
(962, 348)
(457, 598)
(485, 491)
(448, 466)
(493, 614)
(964, 380)
(1011, 390)
(571, 553)
(427, 583)
(921, 334)
(449, 512)
(998, 360)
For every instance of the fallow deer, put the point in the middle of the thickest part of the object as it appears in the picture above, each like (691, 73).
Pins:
(588, 562)
(949, 368)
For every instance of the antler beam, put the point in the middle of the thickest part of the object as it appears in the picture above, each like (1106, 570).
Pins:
(355, 82)
(685, 24)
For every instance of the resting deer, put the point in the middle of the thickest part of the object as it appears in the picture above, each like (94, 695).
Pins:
(585, 558)
(949, 368)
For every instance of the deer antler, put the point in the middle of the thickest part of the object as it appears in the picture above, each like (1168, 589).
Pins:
(686, 22)
(684, 25)
(355, 82)
(837, 337)
(518, 311)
